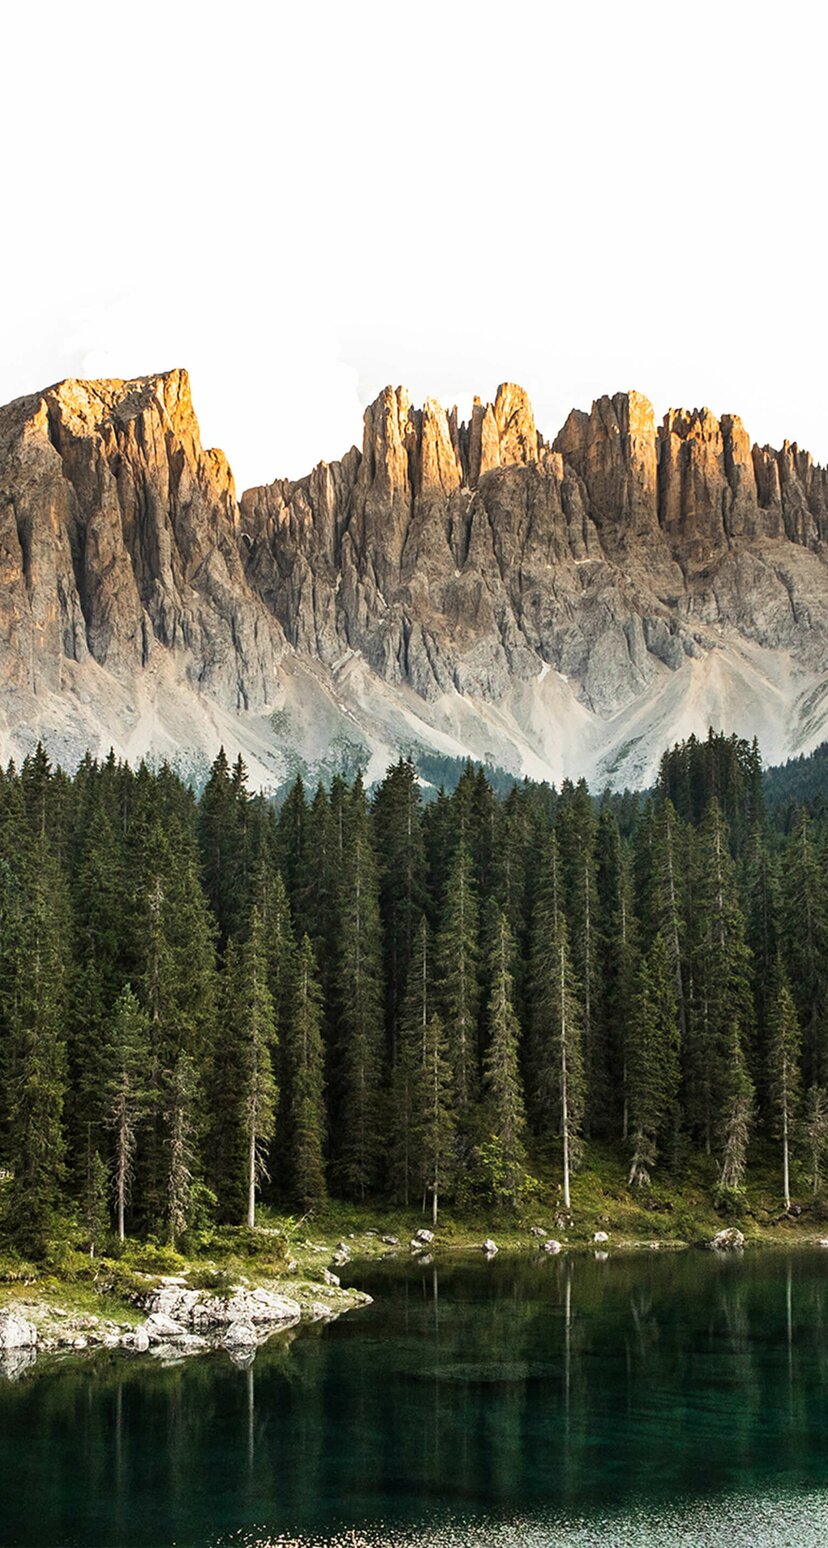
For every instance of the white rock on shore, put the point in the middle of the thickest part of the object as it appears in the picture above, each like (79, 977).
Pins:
(16, 1332)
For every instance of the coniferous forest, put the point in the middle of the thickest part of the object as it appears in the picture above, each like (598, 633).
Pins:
(206, 1002)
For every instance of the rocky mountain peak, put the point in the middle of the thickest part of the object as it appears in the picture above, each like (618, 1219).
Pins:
(547, 599)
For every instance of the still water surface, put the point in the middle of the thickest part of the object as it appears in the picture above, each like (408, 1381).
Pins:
(659, 1399)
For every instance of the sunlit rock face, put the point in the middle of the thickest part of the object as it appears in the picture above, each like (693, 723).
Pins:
(462, 557)
(119, 539)
(559, 607)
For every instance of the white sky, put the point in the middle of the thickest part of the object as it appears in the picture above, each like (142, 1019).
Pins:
(302, 202)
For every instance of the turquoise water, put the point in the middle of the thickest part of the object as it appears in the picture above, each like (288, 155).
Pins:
(658, 1399)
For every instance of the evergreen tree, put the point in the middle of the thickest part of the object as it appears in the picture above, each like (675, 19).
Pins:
(805, 944)
(547, 909)
(784, 1039)
(221, 839)
(252, 1030)
(576, 827)
(816, 1133)
(505, 1112)
(173, 973)
(763, 938)
(409, 1070)
(124, 1096)
(723, 1002)
(438, 1115)
(564, 1073)
(95, 1210)
(617, 945)
(736, 1116)
(652, 1057)
(36, 975)
(290, 844)
(100, 925)
(179, 1101)
(360, 1025)
(458, 954)
(398, 831)
(306, 1082)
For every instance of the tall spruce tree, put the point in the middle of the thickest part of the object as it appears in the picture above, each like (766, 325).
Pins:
(805, 944)
(251, 1026)
(398, 830)
(736, 1114)
(125, 1062)
(723, 1001)
(221, 840)
(652, 1057)
(409, 1070)
(815, 1128)
(438, 1119)
(617, 943)
(360, 1018)
(565, 1071)
(36, 974)
(784, 1043)
(505, 1109)
(577, 830)
(458, 976)
(305, 1062)
(173, 974)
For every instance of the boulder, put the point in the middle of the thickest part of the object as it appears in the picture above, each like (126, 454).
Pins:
(539, 1231)
(391, 1241)
(136, 1339)
(489, 1247)
(423, 1235)
(240, 1335)
(728, 1240)
(330, 1279)
(16, 1332)
(551, 1246)
(265, 1308)
(600, 1236)
(161, 1329)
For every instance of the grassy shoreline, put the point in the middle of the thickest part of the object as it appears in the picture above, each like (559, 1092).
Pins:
(72, 1296)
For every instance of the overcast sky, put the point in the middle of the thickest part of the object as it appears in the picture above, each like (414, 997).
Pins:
(303, 202)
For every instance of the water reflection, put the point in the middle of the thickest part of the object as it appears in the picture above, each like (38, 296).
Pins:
(546, 1384)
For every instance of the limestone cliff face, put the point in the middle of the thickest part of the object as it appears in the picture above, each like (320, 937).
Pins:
(467, 577)
(118, 536)
(461, 557)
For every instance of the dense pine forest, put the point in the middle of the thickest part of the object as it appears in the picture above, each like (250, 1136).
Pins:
(206, 1002)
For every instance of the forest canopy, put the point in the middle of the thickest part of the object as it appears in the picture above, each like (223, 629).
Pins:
(206, 1001)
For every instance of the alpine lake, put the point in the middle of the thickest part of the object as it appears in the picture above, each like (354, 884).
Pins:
(654, 1398)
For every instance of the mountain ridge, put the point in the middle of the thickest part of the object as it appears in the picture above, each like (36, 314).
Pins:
(552, 606)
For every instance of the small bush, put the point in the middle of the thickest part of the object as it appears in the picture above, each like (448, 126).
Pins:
(152, 1258)
(731, 1203)
(217, 1280)
(15, 1269)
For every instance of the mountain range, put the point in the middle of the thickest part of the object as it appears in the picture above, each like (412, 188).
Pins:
(553, 607)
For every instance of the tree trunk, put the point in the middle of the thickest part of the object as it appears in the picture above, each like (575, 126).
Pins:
(251, 1178)
(121, 1190)
(785, 1158)
(564, 1092)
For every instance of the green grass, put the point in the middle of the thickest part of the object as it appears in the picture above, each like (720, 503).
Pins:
(676, 1208)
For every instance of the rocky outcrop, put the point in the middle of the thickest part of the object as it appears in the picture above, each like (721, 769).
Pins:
(16, 1332)
(558, 608)
(179, 1321)
(118, 537)
(465, 558)
(728, 1240)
